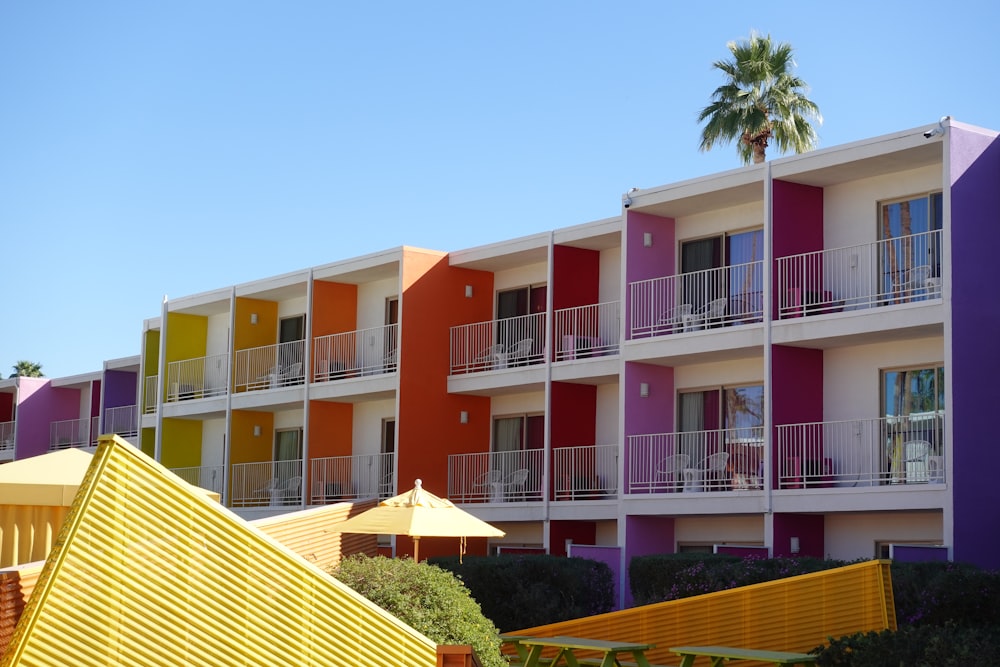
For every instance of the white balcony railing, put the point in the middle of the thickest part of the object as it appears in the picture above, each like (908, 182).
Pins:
(205, 477)
(496, 476)
(698, 300)
(585, 472)
(68, 433)
(267, 483)
(270, 366)
(7, 436)
(888, 272)
(202, 377)
(861, 452)
(586, 331)
(149, 396)
(504, 343)
(717, 460)
(353, 353)
(337, 478)
(122, 420)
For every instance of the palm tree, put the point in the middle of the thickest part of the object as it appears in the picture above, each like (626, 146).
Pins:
(27, 369)
(760, 101)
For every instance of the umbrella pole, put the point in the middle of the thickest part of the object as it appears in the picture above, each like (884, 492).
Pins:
(416, 549)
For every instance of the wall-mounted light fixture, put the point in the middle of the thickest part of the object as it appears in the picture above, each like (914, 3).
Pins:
(468, 291)
(793, 545)
(253, 318)
(647, 239)
(644, 389)
(256, 430)
(463, 417)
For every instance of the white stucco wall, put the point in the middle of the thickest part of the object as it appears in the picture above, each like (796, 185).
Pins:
(850, 536)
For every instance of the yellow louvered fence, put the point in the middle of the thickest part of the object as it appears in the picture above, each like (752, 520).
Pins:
(145, 571)
(793, 614)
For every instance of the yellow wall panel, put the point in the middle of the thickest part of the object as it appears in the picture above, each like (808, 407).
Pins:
(187, 336)
(181, 443)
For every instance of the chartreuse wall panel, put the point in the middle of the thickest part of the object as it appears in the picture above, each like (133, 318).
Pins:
(147, 571)
(792, 614)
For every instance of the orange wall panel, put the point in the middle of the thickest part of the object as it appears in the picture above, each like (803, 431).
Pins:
(433, 301)
(247, 448)
(264, 332)
(335, 308)
(330, 429)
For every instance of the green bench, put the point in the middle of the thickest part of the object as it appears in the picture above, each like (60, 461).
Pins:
(719, 654)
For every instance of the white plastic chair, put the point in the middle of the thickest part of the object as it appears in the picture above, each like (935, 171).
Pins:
(519, 353)
(514, 484)
(704, 316)
(671, 470)
(674, 319)
(710, 473)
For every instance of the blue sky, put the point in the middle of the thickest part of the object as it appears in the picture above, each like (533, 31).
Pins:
(151, 149)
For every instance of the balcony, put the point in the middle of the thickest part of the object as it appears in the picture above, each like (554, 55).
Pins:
(355, 353)
(150, 395)
(73, 433)
(862, 452)
(885, 273)
(7, 436)
(696, 301)
(586, 331)
(205, 477)
(339, 478)
(269, 366)
(202, 377)
(496, 477)
(585, 473)
(498, 344)
(696, 461)
(267, 484)
(122, 420)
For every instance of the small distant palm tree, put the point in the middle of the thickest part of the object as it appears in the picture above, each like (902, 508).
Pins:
(28, 369)
(761, 101)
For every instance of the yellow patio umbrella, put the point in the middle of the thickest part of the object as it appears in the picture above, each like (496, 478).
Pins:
(419, 513)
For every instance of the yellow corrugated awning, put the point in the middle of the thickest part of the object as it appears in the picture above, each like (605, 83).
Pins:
(46, 480)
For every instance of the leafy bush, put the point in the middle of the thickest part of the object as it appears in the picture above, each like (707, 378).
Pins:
(427, 598)
(524, 591)
(674, 576)
(945, 593)
(944, 646)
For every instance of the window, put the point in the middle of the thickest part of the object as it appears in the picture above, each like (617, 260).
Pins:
(909, 235)
(741, 285)
(729, 420)
(511, 434)
(913, 408)
(521, 323)
(287, 454)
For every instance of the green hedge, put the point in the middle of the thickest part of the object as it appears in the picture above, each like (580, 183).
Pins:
(674, 576)
(427, 598)
(519, 592)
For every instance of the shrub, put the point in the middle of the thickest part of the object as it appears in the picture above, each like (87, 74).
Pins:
(945, 593)
(425, 597)
(674, 576)
(944, 646)
(519, 592)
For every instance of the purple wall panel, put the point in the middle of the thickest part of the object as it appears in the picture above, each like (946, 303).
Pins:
(644, 536)
(975, 237)
(120, 389)
(918, 553)
(609, 555)
(39, 404)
